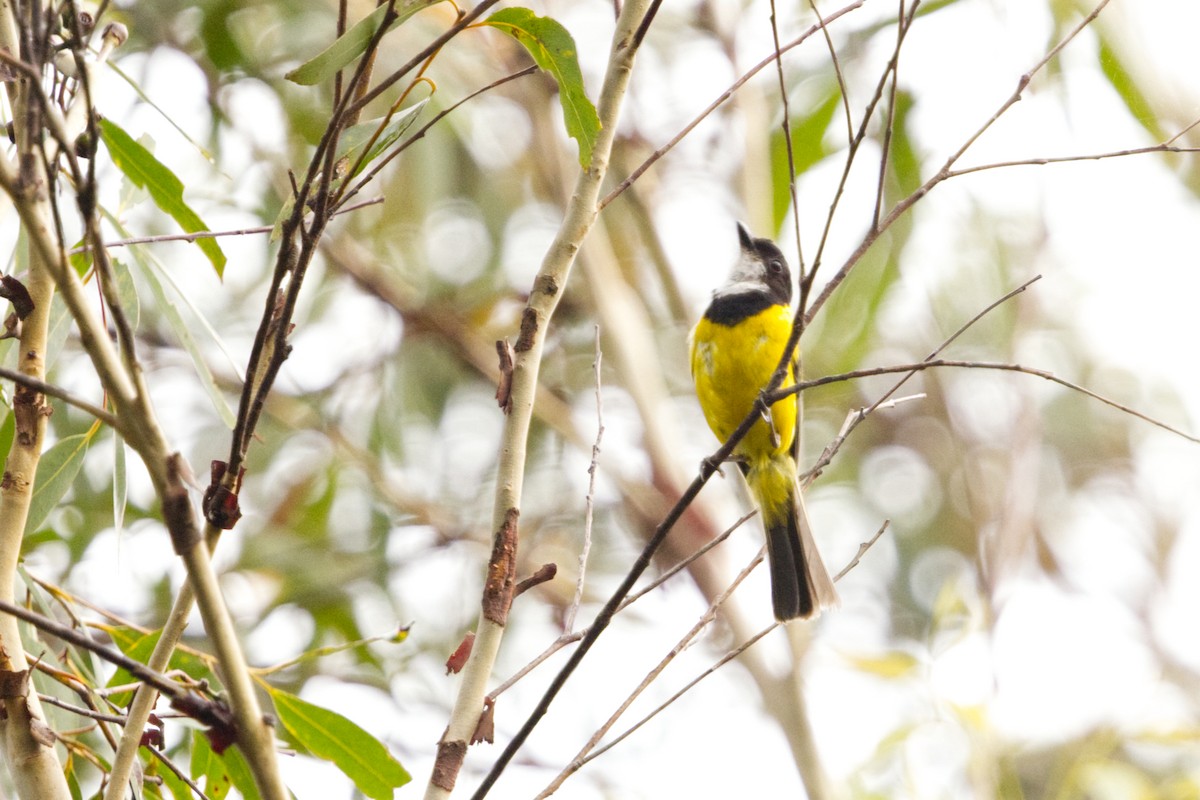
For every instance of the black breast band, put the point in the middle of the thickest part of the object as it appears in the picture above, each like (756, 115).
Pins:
(730, 309)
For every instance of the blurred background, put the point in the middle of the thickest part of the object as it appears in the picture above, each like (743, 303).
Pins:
(1026, 625)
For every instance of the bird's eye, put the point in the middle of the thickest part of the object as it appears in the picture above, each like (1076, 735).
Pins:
(776, 266)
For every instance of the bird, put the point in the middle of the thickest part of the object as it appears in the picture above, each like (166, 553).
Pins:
(734, 350)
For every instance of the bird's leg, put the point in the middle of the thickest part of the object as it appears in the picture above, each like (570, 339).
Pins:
(709, 465)
(764, 411)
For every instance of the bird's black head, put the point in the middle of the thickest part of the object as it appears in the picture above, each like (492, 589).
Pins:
(762, 262)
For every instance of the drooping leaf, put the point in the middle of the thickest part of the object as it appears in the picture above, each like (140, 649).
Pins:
(72, 780)
(808, 148)
(904, 164)
(352, 44)
(184, 333)
(1130, 92)
(141, 167)
(554, 51)
(331, 736)
(55, 473)
(154, 274)
(149, 101)
(127, 293)
(120, 484)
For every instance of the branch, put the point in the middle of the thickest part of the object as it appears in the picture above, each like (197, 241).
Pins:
(547, 290)
(192, 237)
(587, 753)
(904, 205)
(589, 499)
(1037, 162)
(574, 636)
(721, 100)
(209, 712)
(705, 620)
(944, 362)
(32, 761)
(51, 390)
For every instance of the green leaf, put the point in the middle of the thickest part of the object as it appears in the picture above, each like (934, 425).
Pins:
(808, 148)
(240, 774)
(184, 333)
(1126, 86)
(127, 293)
(553, 50)
(904, 163)
(81, 261)
(331, 736)
(72, 780)
(210, 766)
(152, 270)
(138, 646)
(179, 790)
(120, 484)
(8, 429)
(352, 44)
(358, 136)
(141, 167)
(55, 473)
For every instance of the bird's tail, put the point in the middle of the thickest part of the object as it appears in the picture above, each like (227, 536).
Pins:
(800, 584)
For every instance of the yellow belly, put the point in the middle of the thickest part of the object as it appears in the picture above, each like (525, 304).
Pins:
(731, 365)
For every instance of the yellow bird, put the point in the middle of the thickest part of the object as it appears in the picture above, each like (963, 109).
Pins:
(734, 350)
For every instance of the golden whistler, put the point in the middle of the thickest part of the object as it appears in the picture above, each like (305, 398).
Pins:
(735, 348)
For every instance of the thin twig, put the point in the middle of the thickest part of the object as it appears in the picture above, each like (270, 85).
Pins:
(1036, 162)
(862, 551)
(787, 134)
(60, 393)
(80, 710)
(705, 620)
(1191, 125)
(727, 657)
(80, 639)
(720, 101)
(574, 636)
(890, 124)
(192, 237)
(589, 499)
(837, 70)
(420, 134)
(904, 205)
(463, 22)
(919, 366)
(852, 151)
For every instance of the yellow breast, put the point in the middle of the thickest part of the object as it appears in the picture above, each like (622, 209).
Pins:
(731, 364)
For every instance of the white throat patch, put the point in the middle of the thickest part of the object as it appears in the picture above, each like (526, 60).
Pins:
(749, 275)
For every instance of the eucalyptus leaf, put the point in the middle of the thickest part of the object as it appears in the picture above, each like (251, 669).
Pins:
(554, 51)
(56, 472)
(141, 167)
(352, 44)
(359, 136)
(329, 735)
